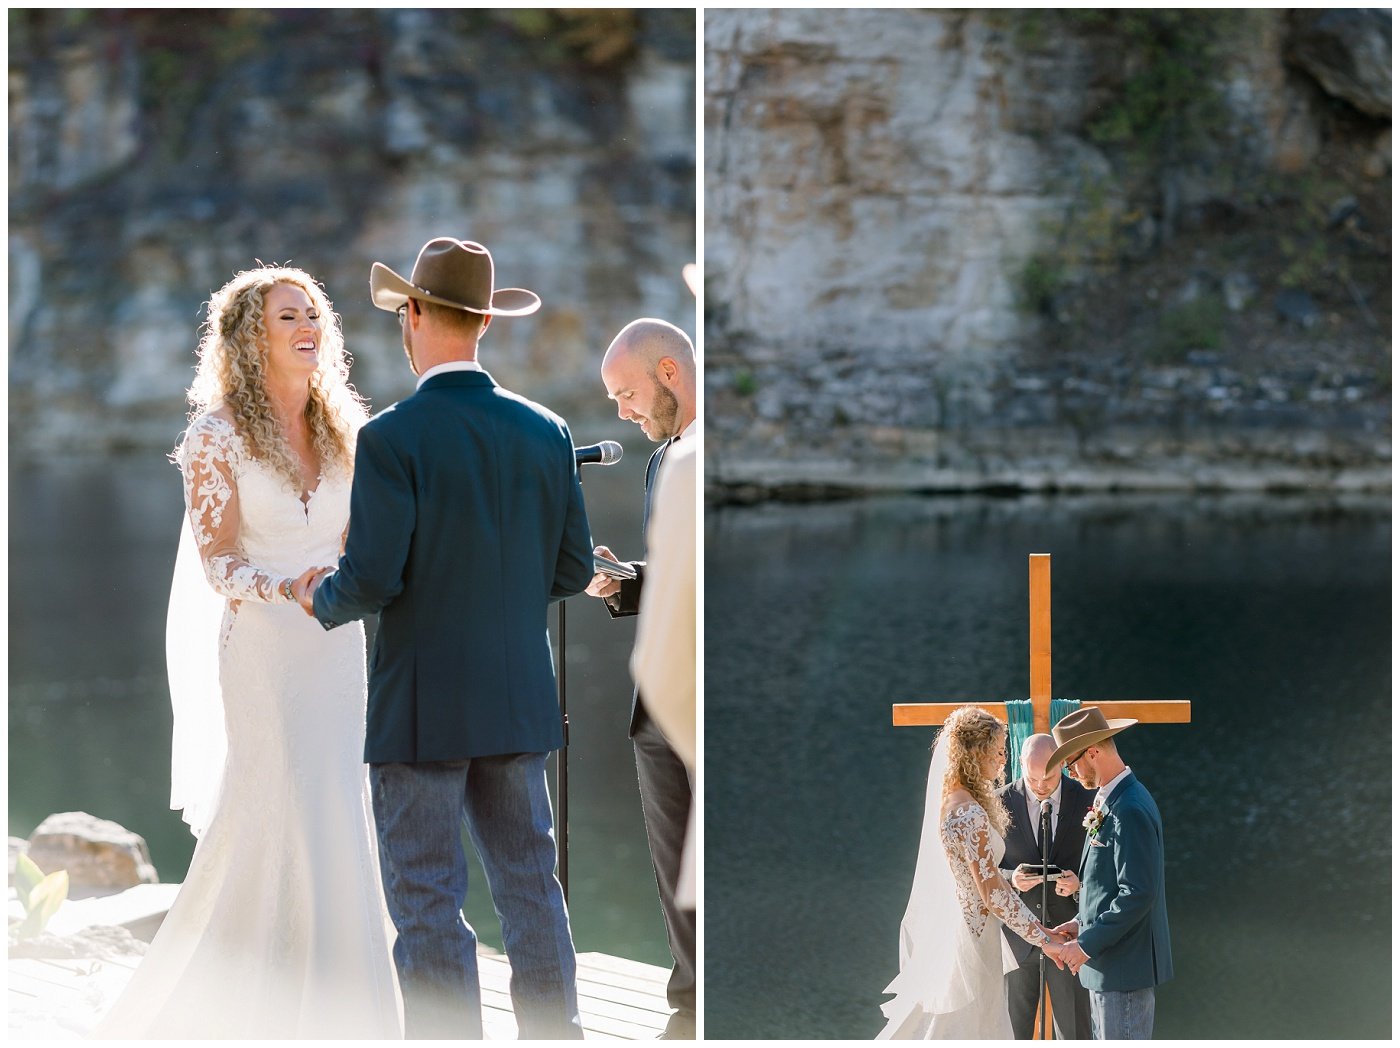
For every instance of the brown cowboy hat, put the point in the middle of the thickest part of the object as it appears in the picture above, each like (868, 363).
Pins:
(456, 273)
(1082, 729)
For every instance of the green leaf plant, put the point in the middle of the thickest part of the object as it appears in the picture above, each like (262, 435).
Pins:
(41, 895)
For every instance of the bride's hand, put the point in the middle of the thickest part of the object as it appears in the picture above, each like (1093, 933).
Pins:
(1057, 937)
(1055, 951)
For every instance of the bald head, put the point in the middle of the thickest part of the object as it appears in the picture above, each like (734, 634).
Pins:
(649, 370)
(1035, 751)
(649, 341)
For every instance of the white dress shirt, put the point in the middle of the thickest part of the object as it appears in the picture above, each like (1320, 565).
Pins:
(1033, 809)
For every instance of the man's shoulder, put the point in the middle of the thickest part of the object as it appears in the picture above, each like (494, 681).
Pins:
(1133, 796)
(1013, 787)
(1131, 788)
(525, 406)
(386, 421)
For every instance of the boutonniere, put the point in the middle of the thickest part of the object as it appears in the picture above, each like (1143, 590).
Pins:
(1093, 821)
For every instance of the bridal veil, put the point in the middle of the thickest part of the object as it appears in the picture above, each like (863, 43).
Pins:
(935, 944)
(198, 745)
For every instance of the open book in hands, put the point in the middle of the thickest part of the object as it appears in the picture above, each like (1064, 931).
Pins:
(613, 568)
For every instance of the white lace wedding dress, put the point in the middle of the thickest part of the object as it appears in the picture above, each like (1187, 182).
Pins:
(280, 928)
(950, 984)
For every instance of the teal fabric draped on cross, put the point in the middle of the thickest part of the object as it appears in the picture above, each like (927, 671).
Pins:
(1020, 720)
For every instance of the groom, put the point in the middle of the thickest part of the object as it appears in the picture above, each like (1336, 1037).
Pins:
(1122, 950)
(466, 521)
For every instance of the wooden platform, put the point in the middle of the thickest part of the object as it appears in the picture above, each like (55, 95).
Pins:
(62, 999)
(620, 1000)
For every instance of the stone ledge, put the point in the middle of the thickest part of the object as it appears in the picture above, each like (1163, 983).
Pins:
(810, 480)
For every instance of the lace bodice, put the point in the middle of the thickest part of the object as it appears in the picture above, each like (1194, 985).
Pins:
(252, 527)
(974, 852)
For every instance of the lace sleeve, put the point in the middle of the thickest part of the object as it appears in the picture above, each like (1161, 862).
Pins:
(206, 459)
(975, 837)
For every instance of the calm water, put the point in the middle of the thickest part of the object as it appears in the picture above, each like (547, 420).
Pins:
(91, 551)
(1273, 617)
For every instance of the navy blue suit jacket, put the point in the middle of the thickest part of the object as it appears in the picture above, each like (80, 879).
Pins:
(1123, 896)
(466, 521)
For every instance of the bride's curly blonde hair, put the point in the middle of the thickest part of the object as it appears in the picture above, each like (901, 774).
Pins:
(972, 735)
(232, 367)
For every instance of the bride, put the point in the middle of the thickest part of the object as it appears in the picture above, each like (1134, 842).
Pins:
(279, 929)
(950, 983)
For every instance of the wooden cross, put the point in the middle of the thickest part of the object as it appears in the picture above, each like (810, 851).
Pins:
(1161, 711)
(1146, 711)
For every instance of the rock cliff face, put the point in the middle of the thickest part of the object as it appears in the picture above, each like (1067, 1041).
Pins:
(953, 250)
(153, 154)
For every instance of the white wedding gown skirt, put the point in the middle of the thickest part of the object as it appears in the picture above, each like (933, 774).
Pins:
(280, 928)
(976, 1010)
(952, 986)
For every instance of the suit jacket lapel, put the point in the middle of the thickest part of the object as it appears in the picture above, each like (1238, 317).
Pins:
(1021, 816)
(653, 465)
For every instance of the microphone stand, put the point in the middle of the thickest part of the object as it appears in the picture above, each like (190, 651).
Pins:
(605, 453)
(1045, 1031)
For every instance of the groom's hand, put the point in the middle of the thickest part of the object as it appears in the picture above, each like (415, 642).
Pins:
(304, 588)
(603, 585)
(1070, 929)
(1074, 956)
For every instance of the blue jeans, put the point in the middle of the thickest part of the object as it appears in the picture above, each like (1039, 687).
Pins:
(504, 802)
(1122, 1015)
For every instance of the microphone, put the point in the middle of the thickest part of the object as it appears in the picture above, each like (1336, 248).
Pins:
(604, 453)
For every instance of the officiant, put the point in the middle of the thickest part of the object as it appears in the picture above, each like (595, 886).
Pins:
(1068, 803)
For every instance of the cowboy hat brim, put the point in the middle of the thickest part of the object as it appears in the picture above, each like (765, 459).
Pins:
(1088, 739)
(389, 291)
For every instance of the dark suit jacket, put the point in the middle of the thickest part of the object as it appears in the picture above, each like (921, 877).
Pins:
(1066, 845)
(628, 599)
(466, 521)
(1123, 903)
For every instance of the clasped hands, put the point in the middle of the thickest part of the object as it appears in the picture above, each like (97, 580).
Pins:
(1064, 949)
(304, 587)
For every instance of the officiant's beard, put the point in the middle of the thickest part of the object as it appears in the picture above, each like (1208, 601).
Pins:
(664, 409)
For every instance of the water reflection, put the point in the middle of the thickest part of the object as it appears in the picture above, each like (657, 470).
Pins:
(1273, 617)
(92, 546)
